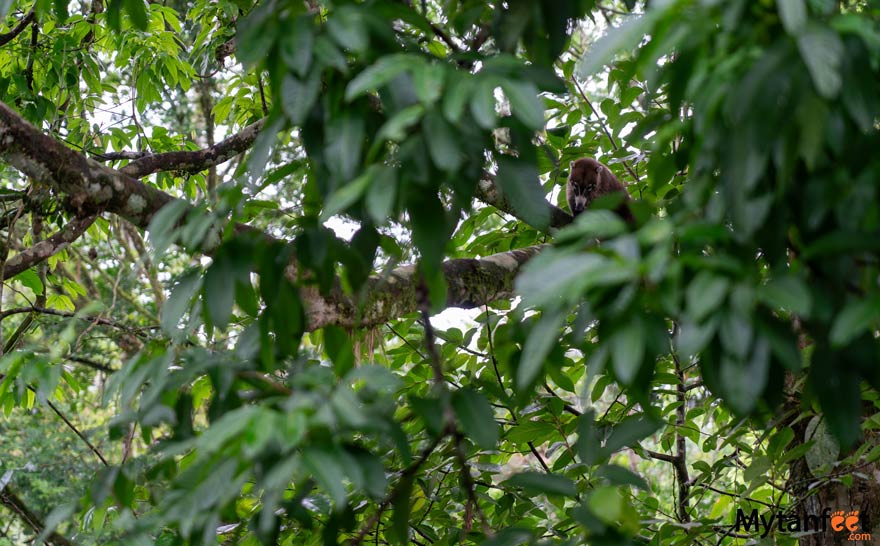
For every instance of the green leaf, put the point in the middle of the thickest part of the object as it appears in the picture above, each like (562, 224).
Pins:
(824, 450)
(179, 301)
(430, 230)
(348, 27)
(630, 430)
(744, 382)
(705, 293)
(231, 425)
(530, 431)
(483, 103)
(456, 97)
(347, 195)
(430, 410)
(296, 46)
(344, 141)
(758, 468)
(541, 340)
(56, 517)
(539, 482)
(338, 346)
(787, 293)
(255, 35)
(298, 97)
(382, 194)
(511, 536)
(378, 74)
(856, 318)
(60, 301)
(325, 467)
(137, 10)
(428, 82)
(628, 350)
(31, 280)
(793, 14)
(821, 50)
(589, 446)
(607, 504)
(520, 185)
(218, 293)
(593, 224)
(443, 143)
(624, 37)
(618, 475)
(693, 337)
(329, 55)
(778, 442)
(163, 225)
(552, 274)
(61, 11)
(476, 417)
(395, 129)
(402, 505)
(525, 102)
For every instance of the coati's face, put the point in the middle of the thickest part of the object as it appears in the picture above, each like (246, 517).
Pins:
(583, 177)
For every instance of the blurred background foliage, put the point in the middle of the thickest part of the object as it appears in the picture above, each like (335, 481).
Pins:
(644, 382)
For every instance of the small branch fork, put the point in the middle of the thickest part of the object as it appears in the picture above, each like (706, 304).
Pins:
(679, 460)
(450, 430)
(14, 503)
(467, 480)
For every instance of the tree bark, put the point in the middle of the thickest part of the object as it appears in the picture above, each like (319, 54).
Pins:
(472, 283)
(816, 494)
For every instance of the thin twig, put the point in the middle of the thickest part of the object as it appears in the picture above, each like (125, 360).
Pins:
(605, 129)
(467, 481)
(681, 470)
(405, 475)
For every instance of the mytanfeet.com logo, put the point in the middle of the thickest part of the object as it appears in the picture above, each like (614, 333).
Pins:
(836, 521)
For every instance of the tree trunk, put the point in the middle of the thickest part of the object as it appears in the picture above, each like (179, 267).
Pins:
(817, 495)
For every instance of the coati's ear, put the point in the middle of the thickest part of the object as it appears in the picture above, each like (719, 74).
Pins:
(571, 165)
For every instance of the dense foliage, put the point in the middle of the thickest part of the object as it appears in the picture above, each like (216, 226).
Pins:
(318, 180)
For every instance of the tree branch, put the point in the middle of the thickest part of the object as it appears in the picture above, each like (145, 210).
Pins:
(47, 247)
(116, 156)
(197, 160)
(225, 49)
(488, 192)
(406, 474)
(58, 313)
(7, 37)
(471, 282)
(12, 501)
(91, 186)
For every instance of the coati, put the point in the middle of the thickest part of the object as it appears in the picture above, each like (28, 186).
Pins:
(589, 180)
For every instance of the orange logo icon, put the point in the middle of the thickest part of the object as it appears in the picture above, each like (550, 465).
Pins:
(850, 520)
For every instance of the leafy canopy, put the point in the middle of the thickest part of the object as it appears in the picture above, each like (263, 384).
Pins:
(438, 130)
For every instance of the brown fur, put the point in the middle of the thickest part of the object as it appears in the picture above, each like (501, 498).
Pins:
(589, 180)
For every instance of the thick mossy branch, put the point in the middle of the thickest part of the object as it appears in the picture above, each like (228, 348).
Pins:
(472, 283)
(89, 186)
